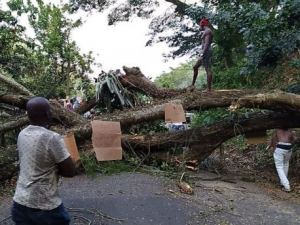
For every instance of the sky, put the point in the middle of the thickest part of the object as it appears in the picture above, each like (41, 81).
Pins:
(123, 45)
(119, 45)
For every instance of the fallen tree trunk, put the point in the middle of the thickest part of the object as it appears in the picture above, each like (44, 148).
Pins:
(15, 124)
(191, 101)
(13, 85)
(136, 80)
(86, 107)
(9, 162)
(66, 117)
(202, 141)
(276, 101)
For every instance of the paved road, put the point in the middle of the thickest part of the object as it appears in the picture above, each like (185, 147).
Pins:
(141, 199)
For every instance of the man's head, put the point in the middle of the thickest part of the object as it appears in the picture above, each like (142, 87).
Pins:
(39, 112)
(204, 23)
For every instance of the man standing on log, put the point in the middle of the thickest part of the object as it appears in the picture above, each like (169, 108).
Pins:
(283, 141)
(205, 56)
(43, 157)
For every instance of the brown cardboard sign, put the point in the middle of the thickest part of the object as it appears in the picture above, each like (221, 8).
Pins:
(71, 146)
(174, 113)
(257, 137)
(106, 140)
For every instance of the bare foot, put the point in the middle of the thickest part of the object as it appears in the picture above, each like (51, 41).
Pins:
(191, 88)
(207, 91)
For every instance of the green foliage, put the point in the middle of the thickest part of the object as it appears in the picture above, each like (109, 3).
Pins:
(181, 77)
(92, 166)
(148, 128)
(143, 99)
(295, 63)
(272, 26)
(49, 64)
(209, 116)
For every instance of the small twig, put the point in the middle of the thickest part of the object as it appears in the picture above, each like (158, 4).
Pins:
(144, 158)
(82, 217)
(7, 218)
(109, 217)
(181, 177)
(93, 211)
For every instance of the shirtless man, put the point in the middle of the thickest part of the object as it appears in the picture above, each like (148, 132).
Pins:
(283, 141)
(206, 54)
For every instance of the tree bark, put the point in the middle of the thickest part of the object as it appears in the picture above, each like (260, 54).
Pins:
(12, 125)
(202, 141)
(276, 101)
(9, 163)
(63, 116)
(191, 101)
(136, 80)
(15, 86)
(87, 106)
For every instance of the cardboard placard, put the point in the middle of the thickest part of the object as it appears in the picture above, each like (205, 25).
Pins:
(174, 113)
(257, 137)
(71, 146)
(106, 140)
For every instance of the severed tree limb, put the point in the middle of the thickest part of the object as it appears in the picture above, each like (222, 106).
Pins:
(202, 141)
(87, 106)
(15, 124)
(15, 85)
(277, 101)
(62, 115)
(136, 80)
(9, 164)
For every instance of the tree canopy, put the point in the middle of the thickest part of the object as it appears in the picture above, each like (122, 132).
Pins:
(272, 26)
(48, 62)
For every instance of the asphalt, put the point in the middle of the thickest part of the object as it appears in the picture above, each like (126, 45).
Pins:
(141, 199)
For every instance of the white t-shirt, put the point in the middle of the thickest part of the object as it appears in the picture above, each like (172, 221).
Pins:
(40, 150)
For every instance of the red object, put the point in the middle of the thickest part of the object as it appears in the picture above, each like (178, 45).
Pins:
(204, 22)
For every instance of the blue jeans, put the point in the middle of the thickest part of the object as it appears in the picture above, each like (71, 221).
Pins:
(23, 215)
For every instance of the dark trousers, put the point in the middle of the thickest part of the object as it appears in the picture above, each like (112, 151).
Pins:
(23, 215)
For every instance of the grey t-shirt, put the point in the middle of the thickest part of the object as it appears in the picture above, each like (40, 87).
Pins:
(40, 150)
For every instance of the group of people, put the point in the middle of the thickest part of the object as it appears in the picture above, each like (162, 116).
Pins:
(44, 157)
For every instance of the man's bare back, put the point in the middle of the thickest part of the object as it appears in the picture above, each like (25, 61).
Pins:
(281, 135)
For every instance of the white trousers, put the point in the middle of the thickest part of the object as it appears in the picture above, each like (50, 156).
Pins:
(282, 158)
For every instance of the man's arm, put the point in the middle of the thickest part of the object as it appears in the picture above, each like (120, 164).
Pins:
(207, 40)
(294, 139)
(66, 168)
(274, 140)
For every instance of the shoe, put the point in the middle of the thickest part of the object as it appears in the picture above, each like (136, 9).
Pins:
(286, 190)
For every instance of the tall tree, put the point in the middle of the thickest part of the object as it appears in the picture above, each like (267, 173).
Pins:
(57, 57)
(273, 26)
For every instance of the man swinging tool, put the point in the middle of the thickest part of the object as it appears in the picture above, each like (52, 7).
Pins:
(205, 56)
